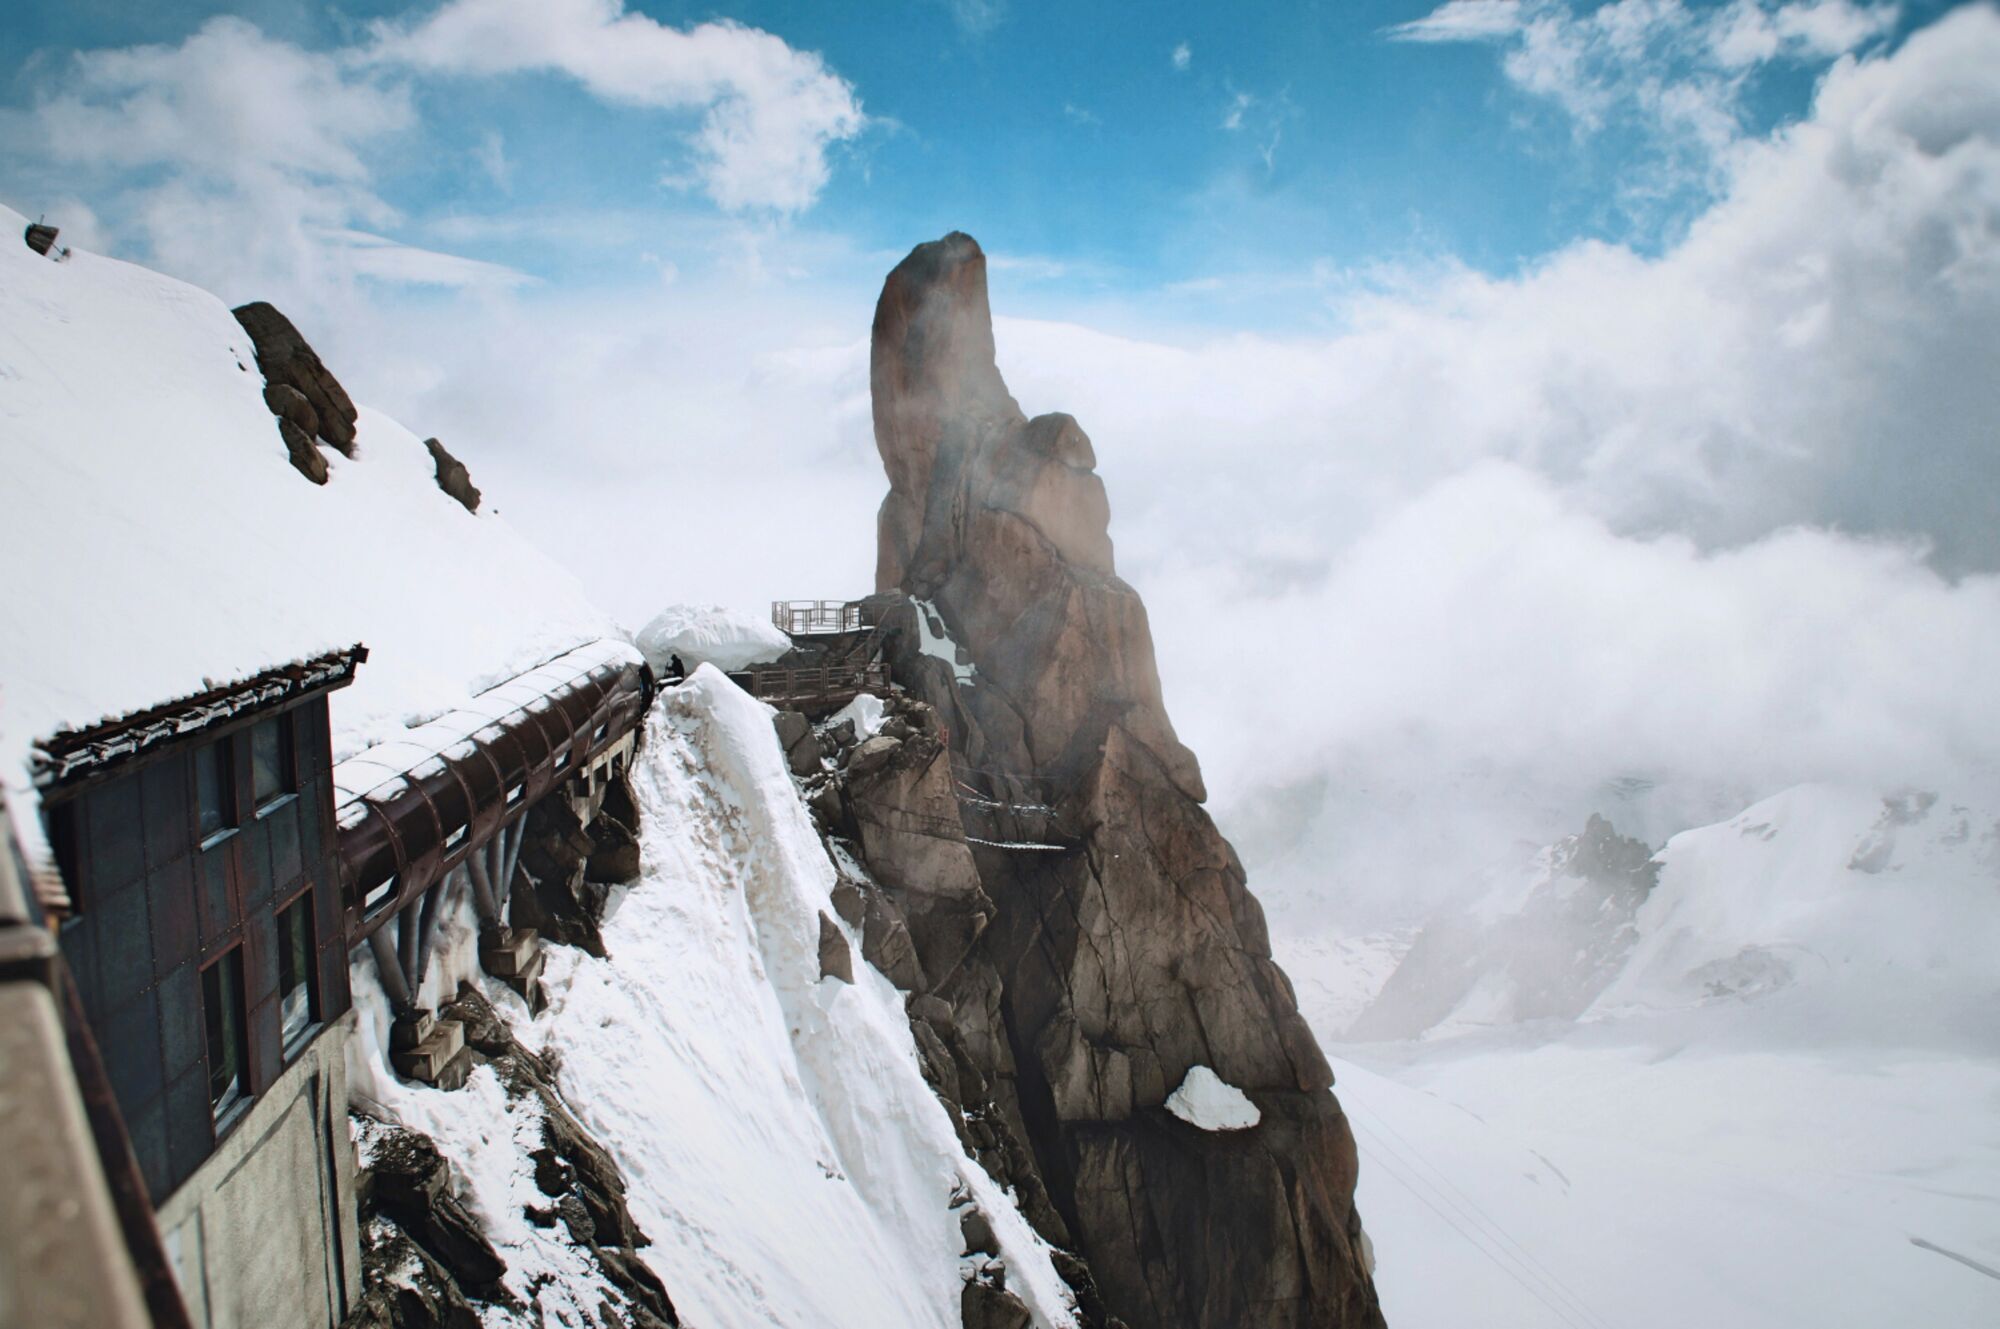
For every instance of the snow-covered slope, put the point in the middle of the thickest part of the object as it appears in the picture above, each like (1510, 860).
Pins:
(1779, 1111)
(781, 1146)
(154, 536)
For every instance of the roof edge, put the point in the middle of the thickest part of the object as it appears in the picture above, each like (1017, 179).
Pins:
(72, 757)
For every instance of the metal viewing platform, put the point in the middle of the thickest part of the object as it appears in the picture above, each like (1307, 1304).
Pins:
(824, 618)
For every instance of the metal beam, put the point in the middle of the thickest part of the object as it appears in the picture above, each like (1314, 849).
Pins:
(390, 969)
(483, 898)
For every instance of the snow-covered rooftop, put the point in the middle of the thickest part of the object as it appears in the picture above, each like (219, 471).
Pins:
(155, 540)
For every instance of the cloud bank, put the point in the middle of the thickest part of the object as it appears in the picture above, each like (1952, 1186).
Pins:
(769, 113)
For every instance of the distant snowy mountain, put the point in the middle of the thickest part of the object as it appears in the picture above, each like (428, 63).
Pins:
(1748, 1082)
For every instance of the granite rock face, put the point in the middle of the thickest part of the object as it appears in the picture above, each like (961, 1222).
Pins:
(1104, 941)
(288, 361)
(452, 477)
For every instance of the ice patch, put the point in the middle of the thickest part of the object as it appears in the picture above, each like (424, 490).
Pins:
(1206, 1100)
(935, 642)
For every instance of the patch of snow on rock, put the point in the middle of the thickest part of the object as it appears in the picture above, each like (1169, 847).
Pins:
(866, 712)
(1206, 1100)
(710, 634)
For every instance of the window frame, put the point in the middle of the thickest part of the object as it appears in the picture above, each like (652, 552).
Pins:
(228, 810)
(287, 764)
(226, 1108)
(293, 1040)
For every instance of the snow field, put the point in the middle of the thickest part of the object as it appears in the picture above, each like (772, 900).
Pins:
(1784, 1113)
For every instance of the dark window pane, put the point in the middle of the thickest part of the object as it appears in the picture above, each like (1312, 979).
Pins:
(222, 1016)
(117, 836)
(214, 796)
(295, 966)
(271, 759)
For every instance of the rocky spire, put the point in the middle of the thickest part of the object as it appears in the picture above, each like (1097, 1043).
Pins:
(1125, 951)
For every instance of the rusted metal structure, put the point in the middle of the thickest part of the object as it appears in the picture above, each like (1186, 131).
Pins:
(813, 686)
(444, 807)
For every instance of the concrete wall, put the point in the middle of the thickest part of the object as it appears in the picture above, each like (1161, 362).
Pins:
(264, 1234)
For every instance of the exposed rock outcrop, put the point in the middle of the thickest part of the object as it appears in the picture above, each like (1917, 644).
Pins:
(1548, 959)
(427, 1264)
(452, 477)
(1094, 939)
(287, 361)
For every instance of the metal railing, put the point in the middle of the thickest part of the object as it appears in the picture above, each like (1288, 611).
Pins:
(823, 618)
(818, 683)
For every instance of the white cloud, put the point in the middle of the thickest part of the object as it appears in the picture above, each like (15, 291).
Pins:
(770, 113)
(1081, 115)
(228, 158)
(1641, 535)
(1462, 21)
(1182, 57)
(1233, 110)
(1677, 72)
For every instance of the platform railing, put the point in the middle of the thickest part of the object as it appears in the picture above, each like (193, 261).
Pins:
(819, 618)
(813, 683)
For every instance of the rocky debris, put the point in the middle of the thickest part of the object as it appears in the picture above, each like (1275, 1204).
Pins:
(1084, 983)
(409, 1205)
(556, 896)
(452, 477)
(614, 836)
(409, 1184)
(872, 755)
(285, 358)
(848, 903)
(886, 944)
(836, 960)
(298, 425)
(801, 745)
(403, 1287)
(978, 1232)
(987, 1305)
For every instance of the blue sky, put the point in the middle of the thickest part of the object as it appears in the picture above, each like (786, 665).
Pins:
(1193, 164)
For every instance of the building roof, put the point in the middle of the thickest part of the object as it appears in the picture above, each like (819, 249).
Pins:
(155, 540)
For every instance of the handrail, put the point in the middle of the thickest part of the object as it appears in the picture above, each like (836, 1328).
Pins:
(823, 618)
(770, 683)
